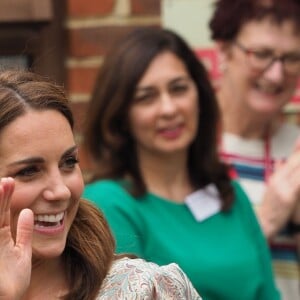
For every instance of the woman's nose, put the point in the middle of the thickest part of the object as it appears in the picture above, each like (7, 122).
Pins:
(168, 104)
(275, 72)
(56, 189)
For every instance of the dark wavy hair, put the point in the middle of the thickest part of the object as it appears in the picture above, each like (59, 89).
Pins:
(230, 15)
(90, 246)
(107, 136)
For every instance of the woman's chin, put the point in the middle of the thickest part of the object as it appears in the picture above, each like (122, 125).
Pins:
(47, 252)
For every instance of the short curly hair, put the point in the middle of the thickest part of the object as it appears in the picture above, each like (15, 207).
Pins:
(230, 15)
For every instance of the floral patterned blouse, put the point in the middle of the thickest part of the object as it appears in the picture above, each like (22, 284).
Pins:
(136, 279)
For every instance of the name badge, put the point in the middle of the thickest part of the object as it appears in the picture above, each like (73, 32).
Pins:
(204, 203)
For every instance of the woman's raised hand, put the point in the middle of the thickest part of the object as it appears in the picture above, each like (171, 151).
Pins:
(15, 252)
(282, 195)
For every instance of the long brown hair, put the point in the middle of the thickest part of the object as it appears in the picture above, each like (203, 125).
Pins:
(89, 252)
(107, 135)
(90, 246)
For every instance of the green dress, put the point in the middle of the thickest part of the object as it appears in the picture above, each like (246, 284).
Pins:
(225, 256)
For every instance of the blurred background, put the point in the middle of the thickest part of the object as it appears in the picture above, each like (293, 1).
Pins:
(67, 40)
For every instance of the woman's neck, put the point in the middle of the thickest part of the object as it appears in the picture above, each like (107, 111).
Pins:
(166, 176)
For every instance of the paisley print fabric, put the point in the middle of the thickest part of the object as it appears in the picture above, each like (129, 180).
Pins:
(136, 279)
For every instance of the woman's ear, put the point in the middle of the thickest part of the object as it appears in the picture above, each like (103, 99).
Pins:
(223, 53)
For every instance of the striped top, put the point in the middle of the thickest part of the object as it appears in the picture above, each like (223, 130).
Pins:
(248, 159)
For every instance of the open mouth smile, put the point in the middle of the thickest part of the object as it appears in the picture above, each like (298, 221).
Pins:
(272, 90)
(48, 220)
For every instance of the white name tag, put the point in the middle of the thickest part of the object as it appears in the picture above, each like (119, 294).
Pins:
(204, 203)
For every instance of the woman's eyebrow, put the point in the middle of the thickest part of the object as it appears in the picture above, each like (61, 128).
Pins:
(144, 88)
(149, 87)
(39, 160)
(70, 151)
(26, 161)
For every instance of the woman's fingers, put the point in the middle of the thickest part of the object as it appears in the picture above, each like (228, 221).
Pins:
(6, 190)
(15, 262)
(25, 221)
(24, 230)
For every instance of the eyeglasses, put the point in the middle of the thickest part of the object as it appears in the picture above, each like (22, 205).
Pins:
(261, 60)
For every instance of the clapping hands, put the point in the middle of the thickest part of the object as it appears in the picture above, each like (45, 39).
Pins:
(282, 196)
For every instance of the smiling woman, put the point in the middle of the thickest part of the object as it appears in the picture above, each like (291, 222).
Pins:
(53, 244)
(259, 46)
(166, 91)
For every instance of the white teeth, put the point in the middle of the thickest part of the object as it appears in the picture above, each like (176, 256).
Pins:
(269, 89)
(49, 218)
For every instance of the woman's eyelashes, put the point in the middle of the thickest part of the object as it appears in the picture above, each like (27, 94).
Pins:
(145, 96)
(27, 172)
(178, 89)
(69, 162)
(173, 90)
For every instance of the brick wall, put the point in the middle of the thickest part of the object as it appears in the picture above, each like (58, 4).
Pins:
(92, 26)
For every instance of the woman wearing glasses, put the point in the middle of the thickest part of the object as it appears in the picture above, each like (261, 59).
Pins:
(259, 43)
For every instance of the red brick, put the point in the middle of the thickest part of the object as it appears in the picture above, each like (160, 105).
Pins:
(86, 163)
(81, 80)
(88, 8)
(145, 7)
(95, 41)
(79, 110)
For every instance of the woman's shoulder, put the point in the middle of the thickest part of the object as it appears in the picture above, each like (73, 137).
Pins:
(241, 199)
(138, 279)
(289, 129)
(283, 141)
(103, 184)
(245, 210)
(238, 190)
